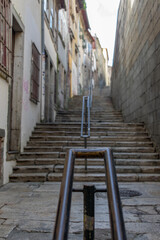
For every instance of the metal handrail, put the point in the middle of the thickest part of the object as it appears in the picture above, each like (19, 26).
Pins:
(87, 117)
(64, 205)
(90, 93)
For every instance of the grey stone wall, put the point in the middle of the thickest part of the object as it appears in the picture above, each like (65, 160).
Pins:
(136, 67)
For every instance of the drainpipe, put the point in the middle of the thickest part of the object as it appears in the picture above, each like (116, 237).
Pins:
(42, 64)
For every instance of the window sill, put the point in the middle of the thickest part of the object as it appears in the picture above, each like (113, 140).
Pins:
(34, 101)
(4, 74)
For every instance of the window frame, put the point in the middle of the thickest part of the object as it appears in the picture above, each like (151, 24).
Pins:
(5, 37)
(35, 74)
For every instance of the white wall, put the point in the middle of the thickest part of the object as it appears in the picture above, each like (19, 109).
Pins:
(30, 13)
(63, 29)
(7, 166)
(49, 44)
(74, 79)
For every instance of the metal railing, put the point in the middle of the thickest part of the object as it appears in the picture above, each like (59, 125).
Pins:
(86, 106)
(114, 202)
(90, 93)
(85, 123)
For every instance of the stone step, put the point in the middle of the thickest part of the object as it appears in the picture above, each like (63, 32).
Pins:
(96, 108)
(34, 169)
(108, 127)
(77, 133)
(93, 118)
(24, 161)
(134, 155)
(66, 148)
(122, 155)
(100, 177)
(79, 177)
(81, 169)
(102, 138)
(92, 113)
(90, 143)
(116, 120)
(119, 169)
(94, 130)
(101, 124)
(60, 161)
(28, 177)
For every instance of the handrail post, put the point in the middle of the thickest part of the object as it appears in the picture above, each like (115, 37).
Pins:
(86, 122)
(114, 201)
(64, 205)
(88, 230)
(85, 139)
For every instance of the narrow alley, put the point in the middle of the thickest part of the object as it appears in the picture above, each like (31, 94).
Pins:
(57, 93)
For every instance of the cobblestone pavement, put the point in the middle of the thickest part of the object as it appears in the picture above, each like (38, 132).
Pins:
(27, 211)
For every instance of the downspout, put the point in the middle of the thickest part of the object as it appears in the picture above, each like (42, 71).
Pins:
(42, 64)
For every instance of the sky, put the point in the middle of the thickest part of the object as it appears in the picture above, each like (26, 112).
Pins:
(102, 15)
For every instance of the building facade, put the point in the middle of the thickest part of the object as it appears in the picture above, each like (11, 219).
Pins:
(46, 57)
(100, 76)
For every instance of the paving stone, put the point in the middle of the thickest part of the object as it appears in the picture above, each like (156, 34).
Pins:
(147, 237)
(2, 221)
(141, 210)
(19, 235)
(150, 218)
(143, 228)
(5, 230)
(33, 225)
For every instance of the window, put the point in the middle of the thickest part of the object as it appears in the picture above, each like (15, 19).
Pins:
(52, 19)
(35, 68)
(46, 5)
(51, 16)
(5, 36)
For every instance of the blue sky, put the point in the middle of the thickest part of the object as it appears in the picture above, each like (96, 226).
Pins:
(102, 16)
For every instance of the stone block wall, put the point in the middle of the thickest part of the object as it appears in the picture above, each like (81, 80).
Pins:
(0, 160)
(136, 69)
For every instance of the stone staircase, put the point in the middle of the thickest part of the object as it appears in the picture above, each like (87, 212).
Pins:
(43, 157)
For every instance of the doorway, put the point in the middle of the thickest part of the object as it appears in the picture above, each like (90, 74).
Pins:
(16, 86)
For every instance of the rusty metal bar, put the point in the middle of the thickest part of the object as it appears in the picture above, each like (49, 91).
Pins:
(90, 153)
(99, 190)
(88, 223)
(115, 209)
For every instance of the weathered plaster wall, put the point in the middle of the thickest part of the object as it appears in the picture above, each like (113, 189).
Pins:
(136, 68)
(49, 44)
(63, 46)
(7, 166)
(32, 22)
(74, 79)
